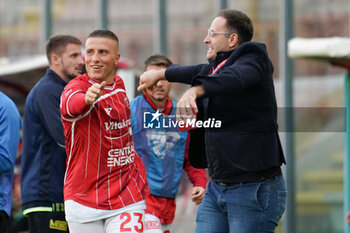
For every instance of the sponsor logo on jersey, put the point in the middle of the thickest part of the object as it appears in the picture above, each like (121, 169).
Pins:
(113, 125)
(121, 156)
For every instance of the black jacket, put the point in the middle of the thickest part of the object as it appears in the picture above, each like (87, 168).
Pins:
(241, 94)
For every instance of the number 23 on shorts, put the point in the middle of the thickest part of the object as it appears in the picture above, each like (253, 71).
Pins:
(131, 222)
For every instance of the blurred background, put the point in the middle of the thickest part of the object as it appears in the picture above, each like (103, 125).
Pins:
(318, 88)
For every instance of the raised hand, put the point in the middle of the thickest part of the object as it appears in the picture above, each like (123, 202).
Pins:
(187, 107)
(94, 92)
(150, 78)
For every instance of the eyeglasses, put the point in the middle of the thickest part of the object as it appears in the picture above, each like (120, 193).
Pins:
(211, 33)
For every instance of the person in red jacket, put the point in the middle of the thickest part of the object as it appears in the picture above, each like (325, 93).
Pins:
(163, 152)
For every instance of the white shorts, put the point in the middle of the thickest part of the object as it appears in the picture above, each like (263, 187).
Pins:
(153, 225)
(76, 212)
(130, 221)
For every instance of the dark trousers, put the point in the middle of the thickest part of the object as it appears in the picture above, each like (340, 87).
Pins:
(4, 218)
(18, 225)
(47, 222)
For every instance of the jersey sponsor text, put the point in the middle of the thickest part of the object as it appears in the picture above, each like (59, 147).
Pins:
(121, 156)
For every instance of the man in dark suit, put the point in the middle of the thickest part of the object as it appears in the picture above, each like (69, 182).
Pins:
(247, 192)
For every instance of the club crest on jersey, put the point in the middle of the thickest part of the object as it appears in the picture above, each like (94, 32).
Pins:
(108, 110)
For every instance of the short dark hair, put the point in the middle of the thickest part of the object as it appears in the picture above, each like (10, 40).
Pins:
(58, 43)
(158, 60)
(104, 33)
(239, 23)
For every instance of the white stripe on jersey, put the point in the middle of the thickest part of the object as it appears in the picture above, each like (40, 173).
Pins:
(88, 149)
(118, 136)
(106, 87)
(109, 190)
(71, 151)
(68, 102)
(127, 187)
(136, 181)
(121, 199)
(110, 94)
(99, 159)
(122, 145)
(92, 106)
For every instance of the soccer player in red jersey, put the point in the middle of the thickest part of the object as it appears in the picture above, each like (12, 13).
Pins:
(105, 184)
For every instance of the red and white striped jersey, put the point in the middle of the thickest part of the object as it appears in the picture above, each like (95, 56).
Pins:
(103, 169)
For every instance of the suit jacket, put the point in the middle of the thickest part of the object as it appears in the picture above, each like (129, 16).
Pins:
(241, 95)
